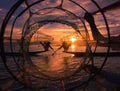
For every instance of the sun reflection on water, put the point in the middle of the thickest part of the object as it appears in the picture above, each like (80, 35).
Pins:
(60, 65)
(73, 46)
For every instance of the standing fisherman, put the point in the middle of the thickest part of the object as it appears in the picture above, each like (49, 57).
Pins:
(46, 45)
(65, 46)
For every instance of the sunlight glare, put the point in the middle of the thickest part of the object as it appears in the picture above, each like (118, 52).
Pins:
(73, 46)
(73, 40)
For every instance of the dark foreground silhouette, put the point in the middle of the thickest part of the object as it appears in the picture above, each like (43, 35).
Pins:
(97, 36)
(111, 77)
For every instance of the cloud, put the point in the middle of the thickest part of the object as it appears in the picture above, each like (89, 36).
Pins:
(112, 16)
(1, 10)
(2, 15)
(53, 1)
(57, 30)
(16, 32)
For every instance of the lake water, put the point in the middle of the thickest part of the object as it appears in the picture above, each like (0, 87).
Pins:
(55, 71)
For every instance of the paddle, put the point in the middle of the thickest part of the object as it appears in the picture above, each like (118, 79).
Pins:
(53, 53)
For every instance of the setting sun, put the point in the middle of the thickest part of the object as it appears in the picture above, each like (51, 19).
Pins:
(73, 40)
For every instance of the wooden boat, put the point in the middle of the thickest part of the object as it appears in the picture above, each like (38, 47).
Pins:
(100, 54)
(33, 53)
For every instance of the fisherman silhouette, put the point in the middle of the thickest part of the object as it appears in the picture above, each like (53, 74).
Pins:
(115, 40)
(46, 45)
(65, 45)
